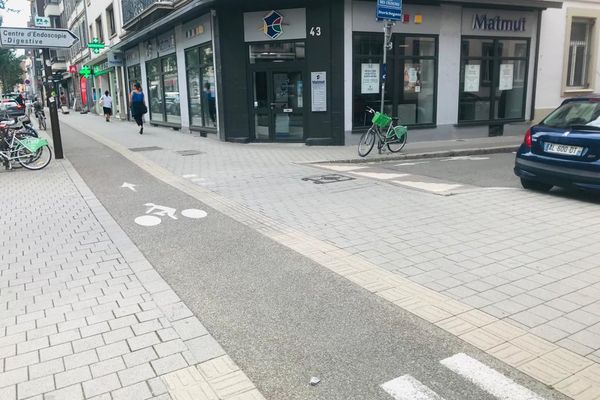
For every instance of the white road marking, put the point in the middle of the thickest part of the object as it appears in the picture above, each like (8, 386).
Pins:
(463, 158)
(408, 388)
(194, 213)
(380, 175)
(161, 211)
(147, 220)
(198, 179)
(488, 379)
(129, 186)
(341, 168)
(189, 176)
(429, 186)
(411, 163)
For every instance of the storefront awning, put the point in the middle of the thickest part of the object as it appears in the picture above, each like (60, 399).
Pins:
(162, 24)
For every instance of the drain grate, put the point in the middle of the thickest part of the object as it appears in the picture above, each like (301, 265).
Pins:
(190, 152)
(330, 178)
(150, 148)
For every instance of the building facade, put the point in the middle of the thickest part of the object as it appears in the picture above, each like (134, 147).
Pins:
(305, 70)
(569, 62)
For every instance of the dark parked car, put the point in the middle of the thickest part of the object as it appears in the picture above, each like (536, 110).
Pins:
(564, 149)
(11, 109)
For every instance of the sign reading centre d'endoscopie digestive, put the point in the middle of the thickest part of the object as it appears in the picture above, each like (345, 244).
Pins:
(37, 38)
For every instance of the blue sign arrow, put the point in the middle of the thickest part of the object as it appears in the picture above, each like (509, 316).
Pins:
(389, 9)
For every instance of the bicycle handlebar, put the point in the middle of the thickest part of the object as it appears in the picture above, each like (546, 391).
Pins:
(370, 110)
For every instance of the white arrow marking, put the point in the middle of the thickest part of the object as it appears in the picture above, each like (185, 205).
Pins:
(129, 186)
(488, 379)
(408, 388)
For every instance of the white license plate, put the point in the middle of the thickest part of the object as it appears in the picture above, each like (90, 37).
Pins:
(564, 149)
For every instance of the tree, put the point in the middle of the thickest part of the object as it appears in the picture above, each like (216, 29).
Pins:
(11, 72)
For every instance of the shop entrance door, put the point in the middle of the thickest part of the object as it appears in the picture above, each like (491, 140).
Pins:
(278, 105)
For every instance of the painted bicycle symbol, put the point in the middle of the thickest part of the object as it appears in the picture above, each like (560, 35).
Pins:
(154, 213)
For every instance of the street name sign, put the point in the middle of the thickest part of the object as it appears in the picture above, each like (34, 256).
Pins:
(37, 38)
(389, 9)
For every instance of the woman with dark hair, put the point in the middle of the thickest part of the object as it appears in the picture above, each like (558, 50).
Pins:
(138, 105)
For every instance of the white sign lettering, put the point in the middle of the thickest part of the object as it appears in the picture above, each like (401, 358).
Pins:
(506, 76)
(472, 78)
(36, 38)
(369, 79)
(318, 91)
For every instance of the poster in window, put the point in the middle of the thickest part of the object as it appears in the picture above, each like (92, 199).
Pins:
(318, 91)
(369, 78)
(472, 73)
(412, 78)
(506, 76)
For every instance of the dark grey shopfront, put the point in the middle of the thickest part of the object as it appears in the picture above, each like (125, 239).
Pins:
(265, 77)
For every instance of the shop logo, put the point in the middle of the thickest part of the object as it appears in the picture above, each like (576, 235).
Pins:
(273, 25)
(485, 23)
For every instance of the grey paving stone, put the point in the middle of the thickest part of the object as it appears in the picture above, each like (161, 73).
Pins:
(139, 391)
(13, 377)
(34, 387)
(46, 368)
(549, 332)
(74, 392)
(21, 360)
(118, 335)
(136, 374)
(90, 342)
(168, 364)
(72, 376)
(80, 359)
(139, 357)
(58, 351)
(204, 348)
(63, 337)
(101, 385)
(145, 340)
(107, 367)
(112, 350)
(157, 386)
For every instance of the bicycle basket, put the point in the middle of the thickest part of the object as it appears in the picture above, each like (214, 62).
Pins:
(33, 144)
(381, 120)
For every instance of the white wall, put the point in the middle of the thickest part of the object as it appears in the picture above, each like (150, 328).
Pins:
(552, 56)
(449, 65)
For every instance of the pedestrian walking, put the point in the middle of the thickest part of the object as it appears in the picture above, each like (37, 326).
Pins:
(138, 106)
(106, 105)
(64, 107)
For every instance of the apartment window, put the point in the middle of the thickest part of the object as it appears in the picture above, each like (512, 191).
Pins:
(110, 20)
(99, 31)
(91, 33)
(580, 52)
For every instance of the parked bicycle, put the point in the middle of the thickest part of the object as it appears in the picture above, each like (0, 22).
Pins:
(30, 152)
(22, 125)
(386, 131)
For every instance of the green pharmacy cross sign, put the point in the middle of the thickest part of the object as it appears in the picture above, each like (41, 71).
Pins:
(85, 71)
(96, 45)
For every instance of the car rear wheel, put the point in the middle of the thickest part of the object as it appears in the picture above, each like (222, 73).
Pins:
(535, 185)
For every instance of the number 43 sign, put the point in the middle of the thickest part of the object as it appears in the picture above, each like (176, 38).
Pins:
(315, 31)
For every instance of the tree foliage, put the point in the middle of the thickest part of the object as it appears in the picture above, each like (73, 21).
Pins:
(11, 72)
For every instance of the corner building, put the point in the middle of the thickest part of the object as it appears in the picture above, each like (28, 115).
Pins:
(304, 71)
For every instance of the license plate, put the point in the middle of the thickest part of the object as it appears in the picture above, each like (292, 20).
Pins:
(563, 149)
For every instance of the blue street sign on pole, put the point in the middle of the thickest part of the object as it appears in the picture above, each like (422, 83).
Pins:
(389, 9)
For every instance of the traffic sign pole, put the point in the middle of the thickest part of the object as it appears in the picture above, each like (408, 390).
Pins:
(388, 11)
(51, 100)
(387, 29)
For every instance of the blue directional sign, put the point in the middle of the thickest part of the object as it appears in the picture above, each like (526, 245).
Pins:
(389, 9)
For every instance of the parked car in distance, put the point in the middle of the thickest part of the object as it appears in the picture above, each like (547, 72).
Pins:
(564, 149)
(9, 108)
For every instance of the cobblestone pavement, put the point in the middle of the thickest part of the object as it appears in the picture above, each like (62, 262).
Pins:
(84, 315)
(526, 259)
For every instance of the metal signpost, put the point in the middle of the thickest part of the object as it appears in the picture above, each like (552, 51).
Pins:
(45, 39)
(388, 11)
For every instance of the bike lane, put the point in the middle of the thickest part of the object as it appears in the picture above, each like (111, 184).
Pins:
(280, 316)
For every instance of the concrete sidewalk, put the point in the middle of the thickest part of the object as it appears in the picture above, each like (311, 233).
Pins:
(83, 315)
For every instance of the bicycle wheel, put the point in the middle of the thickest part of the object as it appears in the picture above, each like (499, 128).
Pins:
(396, 144)
(367, 141)
(43, 123)
(38, 160)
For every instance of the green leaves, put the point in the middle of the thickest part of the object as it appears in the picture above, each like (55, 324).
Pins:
(11, 72)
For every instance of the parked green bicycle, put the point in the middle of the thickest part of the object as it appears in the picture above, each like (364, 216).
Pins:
(386, 131)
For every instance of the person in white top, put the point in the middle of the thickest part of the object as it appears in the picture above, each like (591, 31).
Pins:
(107, 105)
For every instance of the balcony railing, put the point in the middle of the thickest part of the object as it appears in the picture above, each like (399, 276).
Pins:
(134, 10)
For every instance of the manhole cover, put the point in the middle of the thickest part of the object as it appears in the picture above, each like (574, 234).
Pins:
(330, 178)
(190, 152)
(150, 148)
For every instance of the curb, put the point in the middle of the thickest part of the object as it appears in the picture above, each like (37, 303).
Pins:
(434, 154)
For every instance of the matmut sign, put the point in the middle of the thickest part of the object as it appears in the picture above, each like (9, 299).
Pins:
(36, 38)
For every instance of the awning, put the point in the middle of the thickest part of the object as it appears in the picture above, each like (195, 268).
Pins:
(162, 24)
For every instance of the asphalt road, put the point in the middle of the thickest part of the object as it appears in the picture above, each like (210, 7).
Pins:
(280, 316)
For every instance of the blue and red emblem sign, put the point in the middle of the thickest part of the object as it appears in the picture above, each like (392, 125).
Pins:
(273, 25)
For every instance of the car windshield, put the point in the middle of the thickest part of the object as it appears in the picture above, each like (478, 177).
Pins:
(574, 113)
